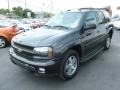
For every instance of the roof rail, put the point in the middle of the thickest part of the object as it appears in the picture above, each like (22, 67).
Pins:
(89, 8)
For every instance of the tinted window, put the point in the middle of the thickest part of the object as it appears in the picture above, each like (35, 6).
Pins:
(91, 18)
(100, 17)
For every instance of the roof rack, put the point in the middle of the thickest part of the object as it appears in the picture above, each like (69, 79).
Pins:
(89, 8)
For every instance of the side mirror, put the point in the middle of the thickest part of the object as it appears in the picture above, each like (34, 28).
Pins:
(107, 19)
(90, 26)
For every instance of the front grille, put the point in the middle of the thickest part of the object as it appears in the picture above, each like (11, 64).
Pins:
(26, 52)
(23, 51)
(22, 46)
(23, 54)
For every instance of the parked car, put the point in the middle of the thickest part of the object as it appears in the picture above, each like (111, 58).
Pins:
(115, 18)
(116, 24)
(5, 23)
(6, 34)
(66, 40)
(115, 21)
(27, 22)
(20, 25)
(35, 23)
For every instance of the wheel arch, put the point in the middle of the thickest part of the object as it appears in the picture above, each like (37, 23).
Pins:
(5, 37)
(110, 33)
(110, 30)
(77, 48)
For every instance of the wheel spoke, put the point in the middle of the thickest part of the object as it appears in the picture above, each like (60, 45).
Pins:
(2, 43)
(70, 70)
(71, 65)
(67, 67)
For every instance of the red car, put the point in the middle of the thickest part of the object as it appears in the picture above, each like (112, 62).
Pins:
(6, 34)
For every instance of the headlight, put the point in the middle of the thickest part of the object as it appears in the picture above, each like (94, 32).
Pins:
(46, 52)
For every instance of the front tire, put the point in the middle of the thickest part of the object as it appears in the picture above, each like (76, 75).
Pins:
(69, 65)
(3, 42)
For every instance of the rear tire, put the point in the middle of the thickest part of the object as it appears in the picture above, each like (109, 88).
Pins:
(3, 42)
(69, 66)
(107, 43)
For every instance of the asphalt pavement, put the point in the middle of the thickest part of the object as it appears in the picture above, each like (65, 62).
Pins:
(100, 73)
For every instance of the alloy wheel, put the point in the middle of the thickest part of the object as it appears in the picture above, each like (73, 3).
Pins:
(2, 42)
(71, 65)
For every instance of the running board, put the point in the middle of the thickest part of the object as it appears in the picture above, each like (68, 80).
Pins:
(91, 55)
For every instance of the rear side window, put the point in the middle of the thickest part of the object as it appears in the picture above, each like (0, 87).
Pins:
(101, 17)
(107, 15)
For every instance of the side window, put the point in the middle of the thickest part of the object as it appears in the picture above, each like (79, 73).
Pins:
(91, 19)
(107, 15)
(101, 18)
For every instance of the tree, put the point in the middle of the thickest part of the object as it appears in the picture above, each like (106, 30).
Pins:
(25, 11)
(4, 11)
(19, 11)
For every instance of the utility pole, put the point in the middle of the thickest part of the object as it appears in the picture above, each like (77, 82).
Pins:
(25, 4)
(51, 6)
(43, 12)
(8, 2)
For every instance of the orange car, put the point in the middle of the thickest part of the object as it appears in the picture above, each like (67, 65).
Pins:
(6, 34)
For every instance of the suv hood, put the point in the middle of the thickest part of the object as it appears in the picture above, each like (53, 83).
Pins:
(40, 37)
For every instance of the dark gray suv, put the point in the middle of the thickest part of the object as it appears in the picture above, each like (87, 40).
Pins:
(66, 40)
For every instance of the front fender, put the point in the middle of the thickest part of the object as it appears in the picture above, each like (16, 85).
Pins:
(63, 47)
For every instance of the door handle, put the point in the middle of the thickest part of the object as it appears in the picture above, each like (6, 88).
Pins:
(87, 34)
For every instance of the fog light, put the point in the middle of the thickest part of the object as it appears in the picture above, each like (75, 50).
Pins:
(41, 70)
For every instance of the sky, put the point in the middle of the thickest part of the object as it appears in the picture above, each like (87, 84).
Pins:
(59, 5)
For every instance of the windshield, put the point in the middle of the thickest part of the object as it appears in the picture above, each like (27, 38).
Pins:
(66, 20)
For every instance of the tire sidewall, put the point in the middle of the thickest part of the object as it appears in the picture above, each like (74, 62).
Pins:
(4, 41)
(63, 75)
(105, 46)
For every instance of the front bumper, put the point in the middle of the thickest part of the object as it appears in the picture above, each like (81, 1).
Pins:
(47, 67)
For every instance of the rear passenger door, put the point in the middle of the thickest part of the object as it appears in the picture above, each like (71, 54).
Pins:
(102, 24)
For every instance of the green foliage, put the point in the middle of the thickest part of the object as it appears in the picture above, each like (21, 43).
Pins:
(19, 11)
(4, 11)
(25, 11)
(22, 13)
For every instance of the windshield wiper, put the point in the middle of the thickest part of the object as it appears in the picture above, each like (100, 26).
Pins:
(61, 26)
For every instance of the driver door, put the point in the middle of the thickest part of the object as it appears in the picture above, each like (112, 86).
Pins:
(90, 34)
